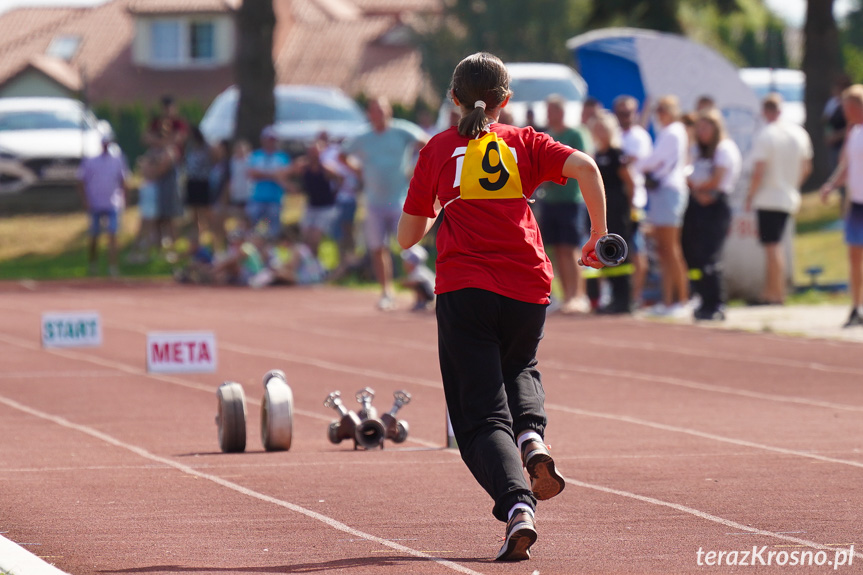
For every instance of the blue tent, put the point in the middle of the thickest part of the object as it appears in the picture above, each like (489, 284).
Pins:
(647, 65)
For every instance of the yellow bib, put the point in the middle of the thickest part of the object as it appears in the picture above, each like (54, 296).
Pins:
(490, 171)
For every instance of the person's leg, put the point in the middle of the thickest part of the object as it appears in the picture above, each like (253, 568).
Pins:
(773, 273)
(112, 226)
(717, 222)
(681, 277)
(95, 228)
(855, 261)
(640, 264)
(567, 267)
(470, 360)
(521, 329)
(665, 252)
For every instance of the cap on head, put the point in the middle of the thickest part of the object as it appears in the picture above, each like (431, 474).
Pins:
(269, 133)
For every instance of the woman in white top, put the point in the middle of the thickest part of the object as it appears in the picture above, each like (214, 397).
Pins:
(715, 169)
(666, 203)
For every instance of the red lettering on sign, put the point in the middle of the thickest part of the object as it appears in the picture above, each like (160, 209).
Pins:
(160, 352)
(204, 352)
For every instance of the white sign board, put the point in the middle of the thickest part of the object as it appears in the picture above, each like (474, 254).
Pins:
(181, 352)
(71, 329)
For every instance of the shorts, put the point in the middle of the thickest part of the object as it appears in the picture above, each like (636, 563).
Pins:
(198, 193)
(319, 218)
(110, 218)
(771, 225)
(666, 206)
(148, 201)
(854, 225)
(382, 223)
(562, 224)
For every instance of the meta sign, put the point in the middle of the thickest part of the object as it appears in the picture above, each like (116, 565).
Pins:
(181, 352)
(71, 329)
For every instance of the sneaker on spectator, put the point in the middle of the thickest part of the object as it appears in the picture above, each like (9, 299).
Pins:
(520, 535)
(386, 303)
(855, 319)
(545, 480)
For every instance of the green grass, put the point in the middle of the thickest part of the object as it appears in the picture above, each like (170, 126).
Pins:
(815, 245)
(45, 247)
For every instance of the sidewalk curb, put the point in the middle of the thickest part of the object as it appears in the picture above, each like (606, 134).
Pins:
(15, 560)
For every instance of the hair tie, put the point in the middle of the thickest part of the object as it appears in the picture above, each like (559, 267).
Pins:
(479, 104)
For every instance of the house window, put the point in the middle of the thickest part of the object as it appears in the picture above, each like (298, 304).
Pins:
(64, 47)
(166, 37)
(202, 41)
(182, 42)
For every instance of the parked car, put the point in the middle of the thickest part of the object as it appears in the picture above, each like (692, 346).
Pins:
(531, 84)
(42, 140)
(302, 113)
(790, 84)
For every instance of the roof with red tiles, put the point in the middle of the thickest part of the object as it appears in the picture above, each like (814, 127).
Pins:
(356, 45)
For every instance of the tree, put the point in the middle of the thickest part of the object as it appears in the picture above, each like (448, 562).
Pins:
(822, 65)
(514, 30)
(659, 15)
(254, 71)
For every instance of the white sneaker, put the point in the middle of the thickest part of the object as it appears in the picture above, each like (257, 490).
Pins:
(386, 303)
(678, 311)
(658, 310)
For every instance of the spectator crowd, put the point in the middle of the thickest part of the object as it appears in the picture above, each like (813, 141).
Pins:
(667, 196)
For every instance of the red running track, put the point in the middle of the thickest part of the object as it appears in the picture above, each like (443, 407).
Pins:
(673, 439)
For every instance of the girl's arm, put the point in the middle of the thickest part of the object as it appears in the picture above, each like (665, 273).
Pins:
(413, 228)
(582, 167)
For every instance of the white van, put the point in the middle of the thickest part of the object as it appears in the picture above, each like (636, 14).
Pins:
(532, 83)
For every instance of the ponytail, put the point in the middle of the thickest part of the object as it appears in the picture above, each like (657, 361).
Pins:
(475, 122)
(483, 79)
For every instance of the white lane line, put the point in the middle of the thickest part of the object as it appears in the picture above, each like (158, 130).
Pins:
(125, 368)
(701, 434)
(54, 374)
(705, 516)
(429, 383)
(737, 358)
(617, 373)
(16, 560)
(326, 520)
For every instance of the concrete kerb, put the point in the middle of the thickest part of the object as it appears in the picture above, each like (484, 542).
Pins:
(815, 321)
(15, 560)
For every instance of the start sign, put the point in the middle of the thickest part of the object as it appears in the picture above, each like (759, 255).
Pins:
(71, 329)
(181, 352)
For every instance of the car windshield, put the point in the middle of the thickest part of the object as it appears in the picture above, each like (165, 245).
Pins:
(292, 108)
(789, 92)
(299, 110)
(41, 120)
(538, 89)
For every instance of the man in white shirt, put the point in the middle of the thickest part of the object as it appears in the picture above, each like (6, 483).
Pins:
(850, 172)
(637, 145)
(783, 160)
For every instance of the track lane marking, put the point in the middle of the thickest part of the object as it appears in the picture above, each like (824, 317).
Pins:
(701, 434)
(383, 375)
(325, 519)
(704, 515)
(626, 419)
(594, 340)
(678, 382)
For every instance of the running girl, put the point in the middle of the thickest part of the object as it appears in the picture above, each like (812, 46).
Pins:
(493, 283)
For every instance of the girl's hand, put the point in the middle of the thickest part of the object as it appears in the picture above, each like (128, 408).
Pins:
(588, 253)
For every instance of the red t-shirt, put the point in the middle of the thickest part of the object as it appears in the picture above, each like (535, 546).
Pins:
(488, 243)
